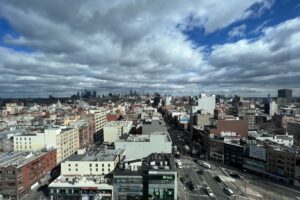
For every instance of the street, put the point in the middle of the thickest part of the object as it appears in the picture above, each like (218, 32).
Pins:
(248, 186)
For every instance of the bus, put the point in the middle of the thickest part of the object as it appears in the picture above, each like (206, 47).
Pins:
(205, 164)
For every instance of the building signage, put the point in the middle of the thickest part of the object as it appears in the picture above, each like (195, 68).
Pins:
(258, 152)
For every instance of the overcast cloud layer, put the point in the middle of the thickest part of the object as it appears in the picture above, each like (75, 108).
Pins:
(140, 44)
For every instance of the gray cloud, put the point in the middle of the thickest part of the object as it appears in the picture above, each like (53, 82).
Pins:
(136, 44)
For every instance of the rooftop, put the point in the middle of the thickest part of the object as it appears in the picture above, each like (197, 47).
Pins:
(80, 181)
(117, 123)
(154, 162)
(97, 155)
(145, 137)
(19, 159)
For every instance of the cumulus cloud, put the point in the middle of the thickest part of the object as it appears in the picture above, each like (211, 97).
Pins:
(137, 44)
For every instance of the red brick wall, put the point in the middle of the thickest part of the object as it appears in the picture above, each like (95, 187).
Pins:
(38, 168)
(238, 126)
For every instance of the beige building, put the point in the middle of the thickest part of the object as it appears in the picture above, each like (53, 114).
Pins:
(83, 175)
(100, 118)
(13, 108)
(65, 140)
(113, 130)
(92, 163)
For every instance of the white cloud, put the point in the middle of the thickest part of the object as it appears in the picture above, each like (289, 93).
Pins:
(126, 44)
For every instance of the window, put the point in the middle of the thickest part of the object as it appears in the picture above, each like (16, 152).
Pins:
(69, 165)
(96, 165)
(90, 165)
(102, 165)
(96, 169)
(69, 169)
(108, 165)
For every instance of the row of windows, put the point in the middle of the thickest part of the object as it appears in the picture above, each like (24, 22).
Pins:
(96, 165)
(76, 169)
(21, 138)
(21, 147)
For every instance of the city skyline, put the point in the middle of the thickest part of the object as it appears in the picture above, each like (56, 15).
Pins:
(249, 48)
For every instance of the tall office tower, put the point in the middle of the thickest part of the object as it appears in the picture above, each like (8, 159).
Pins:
(285, 94)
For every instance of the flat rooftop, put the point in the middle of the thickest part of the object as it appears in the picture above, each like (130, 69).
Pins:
(145, 137)
(19, 159)
(153, 162)
(97, 155)
(117, 123)
(80, 182)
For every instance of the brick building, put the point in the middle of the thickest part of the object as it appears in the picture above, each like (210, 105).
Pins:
(238, 126)
(20, 172)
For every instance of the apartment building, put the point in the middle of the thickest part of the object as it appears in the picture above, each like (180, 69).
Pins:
(100, 118)
(21, 171)
(64, 139)
(86, 175)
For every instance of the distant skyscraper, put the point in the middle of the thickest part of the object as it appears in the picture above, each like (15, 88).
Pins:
(285, 93)
(94, 94)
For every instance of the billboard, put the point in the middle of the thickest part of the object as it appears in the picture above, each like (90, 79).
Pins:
(258, 152)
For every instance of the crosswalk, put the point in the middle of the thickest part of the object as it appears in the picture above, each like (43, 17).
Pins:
(186, 163)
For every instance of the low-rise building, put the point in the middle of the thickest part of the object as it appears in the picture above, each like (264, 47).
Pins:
(153, 177)
(140, 146)
(20, 172)
(281, 163)
(86, 175)
(286, 140)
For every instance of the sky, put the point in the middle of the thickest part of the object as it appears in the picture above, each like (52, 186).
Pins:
(249, 47)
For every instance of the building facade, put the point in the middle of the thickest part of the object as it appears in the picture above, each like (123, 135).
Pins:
(65, 140)
(113, 130)
(293, 128)
(21, 172)
(87, 175)
(203, 102)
